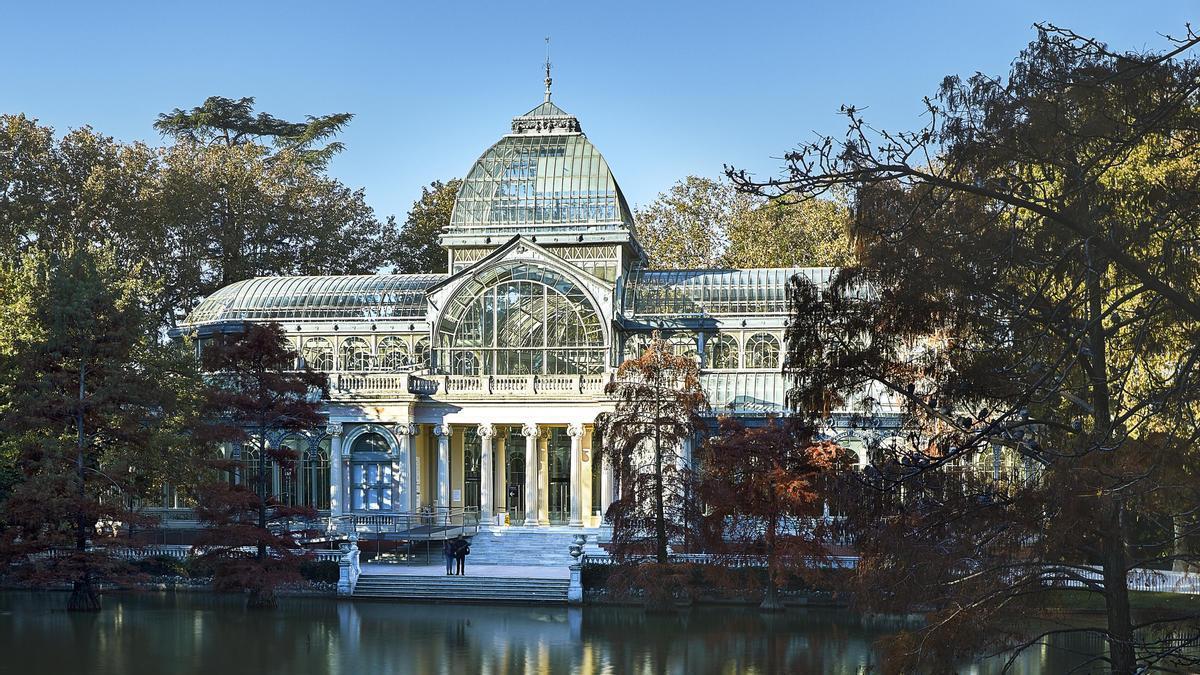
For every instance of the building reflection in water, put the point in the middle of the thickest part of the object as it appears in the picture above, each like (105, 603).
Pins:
(194, 633)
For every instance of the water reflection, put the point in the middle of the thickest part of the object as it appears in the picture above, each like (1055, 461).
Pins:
(197, 633)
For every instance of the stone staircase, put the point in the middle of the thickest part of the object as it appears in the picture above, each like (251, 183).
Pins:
(461, 589)
(540, 547)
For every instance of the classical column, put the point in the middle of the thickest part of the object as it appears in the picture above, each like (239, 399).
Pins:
(442, 431)
(606, 485)
(336, 507)
(543, 475)
(575, 431)
(407, 498)
(530, 432)
(485, 432)
(500, 478)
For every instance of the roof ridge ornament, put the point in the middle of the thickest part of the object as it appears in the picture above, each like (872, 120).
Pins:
(548, 80)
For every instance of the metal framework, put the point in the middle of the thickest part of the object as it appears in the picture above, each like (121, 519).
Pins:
(713, 292)
(368, 296)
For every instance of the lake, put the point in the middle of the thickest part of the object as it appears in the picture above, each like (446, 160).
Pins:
(202, 633)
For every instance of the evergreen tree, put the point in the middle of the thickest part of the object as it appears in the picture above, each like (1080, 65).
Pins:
(94, 413)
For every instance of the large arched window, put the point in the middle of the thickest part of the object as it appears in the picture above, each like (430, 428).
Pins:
(318, 354)
(356, 354)
(722, 352)
(518, 319)
(762, 351)
(392, 353)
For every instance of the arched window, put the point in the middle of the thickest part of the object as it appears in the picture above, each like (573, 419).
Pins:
(356, 354)
(519, 318)
(722, 352)
(316, 476)
(421, 353)
(318, 354)
(683, 344)
(464, 363)
(635, 344)
(370, 442)
(288, 472)
(392, 353)
(762, 351)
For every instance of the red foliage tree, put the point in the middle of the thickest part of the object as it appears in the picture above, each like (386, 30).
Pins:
(255, 394)
(658, 401)
(761, 490)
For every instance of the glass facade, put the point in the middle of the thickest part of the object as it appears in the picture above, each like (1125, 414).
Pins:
(712, 292)
(520, 319)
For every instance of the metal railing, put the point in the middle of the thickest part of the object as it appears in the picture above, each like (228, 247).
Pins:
(437, 524)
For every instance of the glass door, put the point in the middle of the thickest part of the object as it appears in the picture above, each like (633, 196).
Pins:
(514, 476)
(558, 464)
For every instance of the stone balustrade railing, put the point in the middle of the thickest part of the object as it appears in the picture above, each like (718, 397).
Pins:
(352, 385)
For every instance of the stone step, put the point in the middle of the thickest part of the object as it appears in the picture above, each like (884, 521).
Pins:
(461, 588)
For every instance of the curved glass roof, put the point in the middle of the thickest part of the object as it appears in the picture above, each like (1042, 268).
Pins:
(367, 296)
(710, 292)
(545, 173)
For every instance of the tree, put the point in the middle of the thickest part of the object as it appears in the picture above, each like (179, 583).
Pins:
(704, 223)
(229, 122)
(419, 248)
(197, 215)
(790, 232)
(256, 395)
(686, 226)
(1027, 288)
(760, 488)
(94, 411)
(236, 212)
(657, 402)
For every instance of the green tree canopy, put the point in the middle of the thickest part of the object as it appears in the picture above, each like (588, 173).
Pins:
(94, 411)
(418, 250)
(702, 222)
(230, 122)
(194, 215)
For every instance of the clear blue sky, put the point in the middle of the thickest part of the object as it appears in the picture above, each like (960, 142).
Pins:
(663, 89)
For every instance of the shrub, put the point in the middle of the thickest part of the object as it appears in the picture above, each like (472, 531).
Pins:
(198, 568)
(162, 566)
(321, 571)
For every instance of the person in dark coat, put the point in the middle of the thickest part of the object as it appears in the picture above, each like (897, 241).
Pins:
(461, 551)
(448, 552)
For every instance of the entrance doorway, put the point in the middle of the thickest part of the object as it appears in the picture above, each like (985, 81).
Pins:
(514, 476)
(558, 468)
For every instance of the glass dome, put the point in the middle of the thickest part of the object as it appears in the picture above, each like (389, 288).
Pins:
(545, 173)
(520, 319)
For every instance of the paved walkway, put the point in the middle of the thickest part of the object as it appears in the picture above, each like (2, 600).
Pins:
(495, 571)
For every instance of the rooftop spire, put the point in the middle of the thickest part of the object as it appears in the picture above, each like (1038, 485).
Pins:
(548, 80)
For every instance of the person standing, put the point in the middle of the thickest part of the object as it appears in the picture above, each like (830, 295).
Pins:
(461, 552)
(448, 547)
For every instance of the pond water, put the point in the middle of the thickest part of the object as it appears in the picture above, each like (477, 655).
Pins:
(194, 633)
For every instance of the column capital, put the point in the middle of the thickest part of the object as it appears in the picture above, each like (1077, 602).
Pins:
(334, 428)
(529, 430)
(410, 429)
(575, 429)
(485, 431)
(441, 429)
